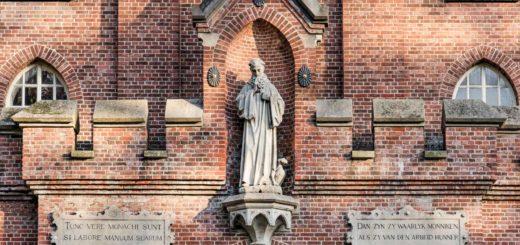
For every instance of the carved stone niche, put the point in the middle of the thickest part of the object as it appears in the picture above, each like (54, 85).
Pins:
(261, 214)
(111, 226)
(407, 227)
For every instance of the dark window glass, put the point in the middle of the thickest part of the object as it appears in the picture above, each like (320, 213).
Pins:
(31, 76)
(30, 95)
(47, 77)
(17, 100)
(60, 93)
(47, 93)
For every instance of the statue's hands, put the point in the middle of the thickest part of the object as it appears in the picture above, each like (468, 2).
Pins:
(266, 94)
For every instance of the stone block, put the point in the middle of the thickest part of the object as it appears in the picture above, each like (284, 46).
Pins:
(334, 112)
(75, 154)
(513, 117)
(360, 155)
(471, 112)
(112, 226)
(45, 113)
(438, 227)
(155, 154)
(398, 111)
(121, 112)
(6, 122)
(181, 112)
(435, 154)
(316, 10)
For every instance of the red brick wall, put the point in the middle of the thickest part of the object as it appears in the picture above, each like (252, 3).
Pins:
(148, 58)
(331, 160)
(44, 150)
(398, 151)
(149, 49)
(472, 151)
(194, 153)
(18, 222)
(417, 49)
(508, 148)
(320, 219)
(501, 221)
(78, 39)
(11, 160)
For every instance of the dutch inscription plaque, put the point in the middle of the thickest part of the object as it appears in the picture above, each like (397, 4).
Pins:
(407, 226)
(111, 227)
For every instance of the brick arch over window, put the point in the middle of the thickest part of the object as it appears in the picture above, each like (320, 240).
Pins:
(474, 56)
(268, 15)
(26, 56)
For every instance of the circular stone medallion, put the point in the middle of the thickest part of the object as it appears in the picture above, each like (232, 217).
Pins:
(304, 76)
(259, 3)
(213, 76)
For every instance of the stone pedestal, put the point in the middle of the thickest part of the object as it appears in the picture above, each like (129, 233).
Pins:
(261, 214)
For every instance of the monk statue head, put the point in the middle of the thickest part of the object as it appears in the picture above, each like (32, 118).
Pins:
(257, 67)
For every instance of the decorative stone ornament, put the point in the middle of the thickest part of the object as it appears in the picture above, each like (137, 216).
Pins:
(261, 214)
(407, 226)
(304, 76)
(213, 76)
(259, 3)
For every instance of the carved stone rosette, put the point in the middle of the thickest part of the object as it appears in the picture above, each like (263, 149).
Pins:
(261, 214)
(213, 76)
(304, 76)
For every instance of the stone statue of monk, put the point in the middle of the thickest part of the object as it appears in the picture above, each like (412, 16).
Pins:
(262, 108)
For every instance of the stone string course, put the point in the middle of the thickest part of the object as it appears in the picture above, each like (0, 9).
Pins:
(150, 50)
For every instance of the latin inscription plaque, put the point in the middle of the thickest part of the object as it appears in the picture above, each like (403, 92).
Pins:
(406, 227)
(111, 227)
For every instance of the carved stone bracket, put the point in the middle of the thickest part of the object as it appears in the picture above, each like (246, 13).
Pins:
(111, 225)
(261, 214)
(407, 226)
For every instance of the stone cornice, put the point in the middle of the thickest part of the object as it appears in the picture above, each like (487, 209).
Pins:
(127, 187)
(310, 11)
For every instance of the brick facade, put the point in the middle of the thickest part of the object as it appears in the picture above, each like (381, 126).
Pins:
(154, 50)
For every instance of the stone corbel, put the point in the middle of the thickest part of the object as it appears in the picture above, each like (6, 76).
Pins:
(203, 11)
(512, 123)
(316, 11)
(311, 40)
(120, 113)
(472, 113)
(54, 114)
(7, 125)
(398, 112)
(334, 112)
(183, 113)
(209, 39)
(261, 214)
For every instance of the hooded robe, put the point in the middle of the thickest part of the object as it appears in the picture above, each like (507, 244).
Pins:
(262, 108)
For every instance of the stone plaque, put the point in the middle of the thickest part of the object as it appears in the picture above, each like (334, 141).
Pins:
(113, 227)
(407, 226)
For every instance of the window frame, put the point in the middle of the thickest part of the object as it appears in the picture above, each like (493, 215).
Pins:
(484, 85)
(58, 81)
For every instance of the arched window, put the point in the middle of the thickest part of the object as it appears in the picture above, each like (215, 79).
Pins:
(36, 82)
(485, 83)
